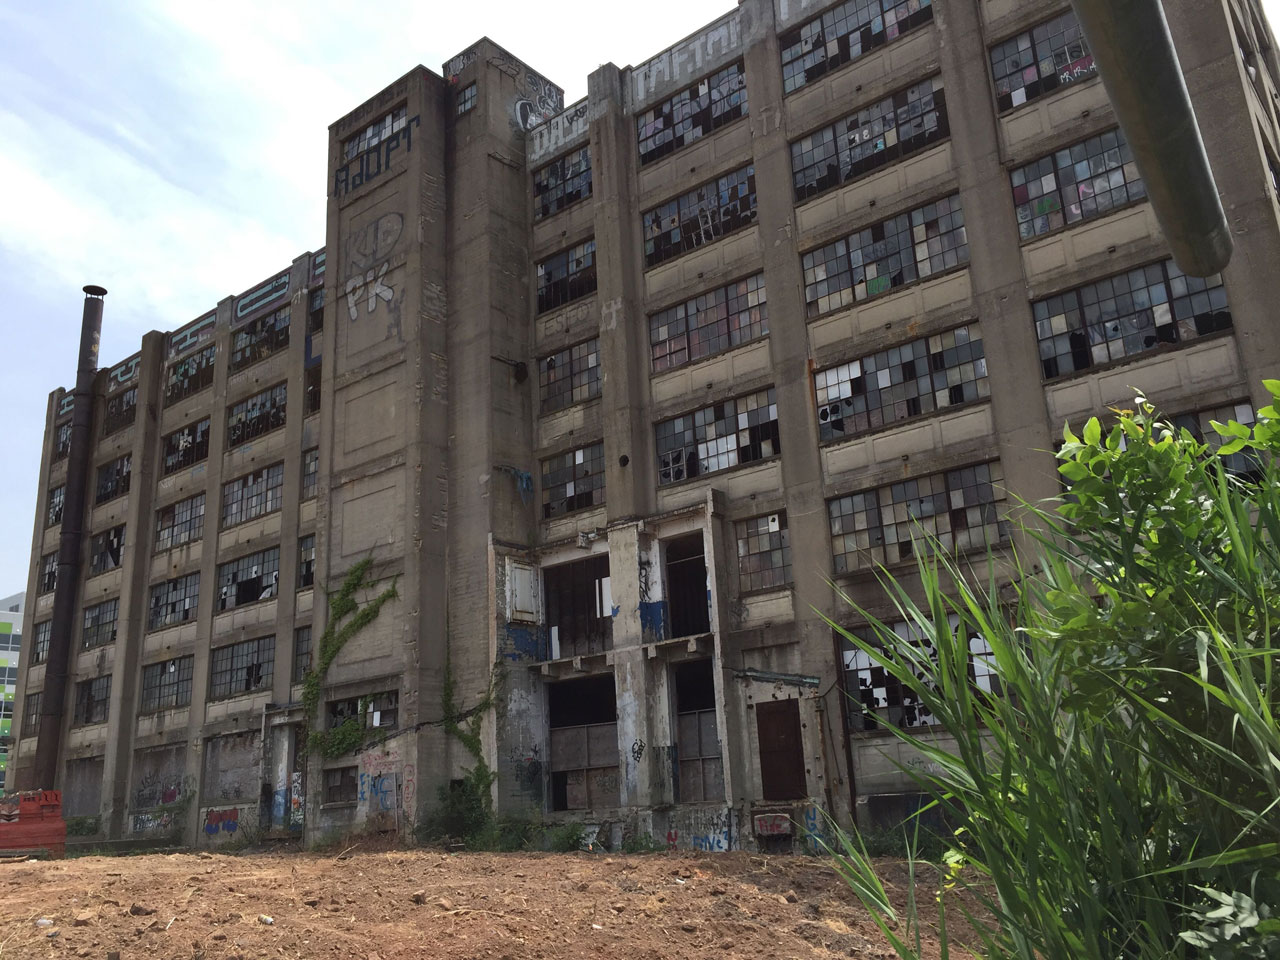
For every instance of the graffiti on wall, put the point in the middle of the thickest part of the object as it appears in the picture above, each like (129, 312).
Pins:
(817, 833)
(224, 821)
(687, 60)
(541, 101)
(369, 287)
(192, 335)
(701, 829)
(375, 161)
(297, 801)
(156, 789)
(378, 790)
(262, 296)
(773, 825)
(558, 132)
(124, 373)
(149, 822)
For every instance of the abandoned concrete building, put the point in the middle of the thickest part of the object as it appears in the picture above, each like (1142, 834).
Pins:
(612, 393)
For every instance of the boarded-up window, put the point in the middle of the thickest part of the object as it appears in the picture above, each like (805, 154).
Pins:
(232, 768)
(158, 776)
(584, 743)
(82, 792)
(781, 749)
(700, 770)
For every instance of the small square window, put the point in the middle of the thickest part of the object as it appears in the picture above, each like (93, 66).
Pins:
(466, 98)
(340, 785)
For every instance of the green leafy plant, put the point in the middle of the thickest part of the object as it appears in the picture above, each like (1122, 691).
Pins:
(346, 619)
(1128, 768)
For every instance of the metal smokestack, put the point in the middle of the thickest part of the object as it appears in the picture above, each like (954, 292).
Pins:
(79, 463)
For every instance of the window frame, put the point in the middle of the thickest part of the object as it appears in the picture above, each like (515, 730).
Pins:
(559, 391)
(117, 474)
(92, 696)
(566, 172)
(1036, 62)
(260, 491)
(255, 657)
(306, 564)
(55, 504)
(100, 552)
(229, 579)
(274, 403)
(585, 465)
(41, 634)
(685, 115)
(577, 282)
(119, 411)
(711, 418)
(716, 303)
(155, 695)
(203, 366)
(257, 339)
(189, 597)
(178, 453)
(102, 631)
(192, 525)
(798, 35)
(465, 99)
(300, 668)
(668, 219)
(744, 533)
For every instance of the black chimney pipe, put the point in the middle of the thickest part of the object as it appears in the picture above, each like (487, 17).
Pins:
(79, 463)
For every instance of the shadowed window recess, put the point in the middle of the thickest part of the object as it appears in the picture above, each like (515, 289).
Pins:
(106, 550)
(93, 701)
(47, 578)
(315, 311)
(579, 607)
(341, 785)
(570, 376)
(113, 478)
(31, 714)
(692, 113)
(253, 495)
(173, 601)
(561, 183)
(709, 324)
(121, 410)
(167, 684)
(844, 33)
(54, 505)
(963, 509)
(310, 472)
(248, 579)
(186, 447)
(241, 668)
(260, 338)
(567, 276)
(909, 247)
(99, 626)
(40, 641)
(306, 560)
(1031, 64)
(375, 133)
(190, 375)
(584, 743)
(906, 381)
(764, 552)
(301, 654)
(701, 216)
(718, 437)
(179, 523)
(688, 594)
(256, 416)
(466, 99)
(1080, 182)
(876, 135)
(1126, 314)
(61, 441)
(699, 768)
(573, 481)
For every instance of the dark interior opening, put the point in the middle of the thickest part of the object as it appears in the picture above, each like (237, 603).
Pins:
(579, 612)
(695, 686)
(688, 609)
(572, 703)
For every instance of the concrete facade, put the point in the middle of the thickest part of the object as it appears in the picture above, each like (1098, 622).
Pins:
(612, 393)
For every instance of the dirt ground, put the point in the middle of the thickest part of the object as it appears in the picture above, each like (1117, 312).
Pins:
(417, 903)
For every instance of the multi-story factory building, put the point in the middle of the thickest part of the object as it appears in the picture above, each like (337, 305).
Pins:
(612, 394)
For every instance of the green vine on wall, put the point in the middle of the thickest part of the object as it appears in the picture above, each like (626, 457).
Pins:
(465, 727)
(346, 619)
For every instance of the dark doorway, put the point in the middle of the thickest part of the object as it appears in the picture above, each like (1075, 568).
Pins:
(688, 605)
(584, 743)
(699, 769)
(781, 749)
(579, 607)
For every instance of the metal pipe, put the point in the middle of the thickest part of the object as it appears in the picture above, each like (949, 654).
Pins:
(79, 463)
(1134, 53)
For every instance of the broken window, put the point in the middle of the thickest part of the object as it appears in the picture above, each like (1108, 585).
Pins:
(570, 376)
(781, 743)
(584, 743)
(718, 437)
(688, 597)
(47, 582)
(241, 667)
(173, 601)
(1127, 314)
(113, 478)
(562, 182)
(384, 710)
(311, 390)
(897, 126)
(106, 550)
(167, 684)
(260, 414)
(120, 412)
(567, 276)
(179, 523)
(315, 310)
(906, 248)
(845, 32)
(573, 481)
(906, 381)
(53, 510)
(1199, 424)
(699, 768)
(99, 628)
(248, 579)
(691, 114)
(40, 642)
(259, 339)
(962, 508)
(701, 216)
(310, 472)
(1079, 182)
(374, 134)
(301, 653)
(306, 560)
(253, 495)
(190, 375)
(341, 783)
(1044, 58)
(61, 441)
(338, 711)
(31, 714)
(709, 324)
(579, 607)
(764, 552)
(877, 699)
(93, 701)
(186, 447)
(466, 98)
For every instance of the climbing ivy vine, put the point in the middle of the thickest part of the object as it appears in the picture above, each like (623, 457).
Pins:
(346, 619)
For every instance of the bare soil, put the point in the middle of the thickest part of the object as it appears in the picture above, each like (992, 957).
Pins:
(419, 903)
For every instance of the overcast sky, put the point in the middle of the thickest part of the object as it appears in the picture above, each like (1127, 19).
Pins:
(175, 154)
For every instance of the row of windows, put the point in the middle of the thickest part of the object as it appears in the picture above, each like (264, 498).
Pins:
(567, 276)
(562, 182)
(842, 34)
(692, 113)
(121, 410)
(701, 216)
